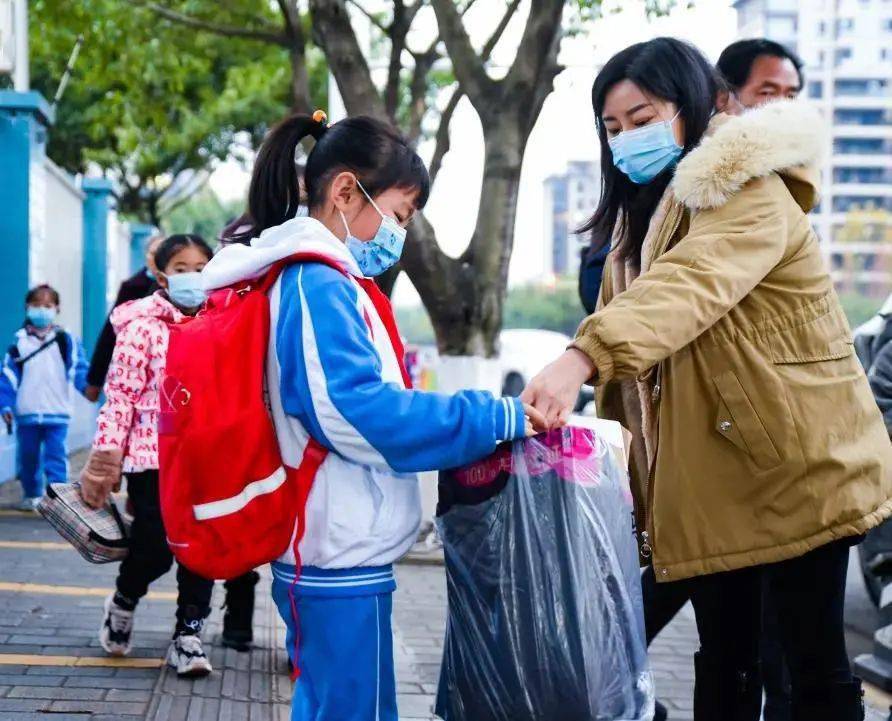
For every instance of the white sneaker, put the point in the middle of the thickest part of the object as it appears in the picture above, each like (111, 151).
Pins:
(29, 505)
(116, 632)
(188, 657)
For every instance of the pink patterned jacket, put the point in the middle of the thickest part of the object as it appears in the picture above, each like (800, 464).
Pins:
(128, 422)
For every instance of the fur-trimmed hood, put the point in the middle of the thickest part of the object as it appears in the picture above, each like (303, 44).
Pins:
(785, 137)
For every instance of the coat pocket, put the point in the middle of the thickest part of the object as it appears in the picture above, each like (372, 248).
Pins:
(738, 421)
(825, 338)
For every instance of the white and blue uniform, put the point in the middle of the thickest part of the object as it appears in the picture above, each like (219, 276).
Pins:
(40, 393)
(333, 375)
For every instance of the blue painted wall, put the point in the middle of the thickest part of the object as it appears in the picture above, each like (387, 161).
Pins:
(95, 270)
(24, 118)
(139, 235)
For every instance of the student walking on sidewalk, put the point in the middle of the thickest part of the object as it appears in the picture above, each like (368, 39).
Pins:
(336, 375)
(42, 369)
(760, 456)
(127, 441)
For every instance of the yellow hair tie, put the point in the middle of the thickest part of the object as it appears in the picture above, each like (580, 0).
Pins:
(320, 117)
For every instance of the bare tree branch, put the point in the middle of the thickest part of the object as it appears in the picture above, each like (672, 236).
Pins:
(418, 101)
(442, 144)
(182, 198)
(468, 66)
(370, 16)
(301, 102)
(537, 53)
(218, 29)
(397, 32)
(335, 35)
(490, 45)
(291, 16)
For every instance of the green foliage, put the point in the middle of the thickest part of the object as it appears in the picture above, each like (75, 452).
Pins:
(543, 307)
(415, 324)
(203, 214)
(150, 99)
(859, 308)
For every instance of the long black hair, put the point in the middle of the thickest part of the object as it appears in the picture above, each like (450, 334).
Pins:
(378, 155)
(668, 69)
(173, 244)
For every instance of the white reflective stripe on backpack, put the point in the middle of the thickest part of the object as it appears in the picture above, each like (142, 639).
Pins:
(233, 504)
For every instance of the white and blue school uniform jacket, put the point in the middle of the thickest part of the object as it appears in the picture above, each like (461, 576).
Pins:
(332, 374)
(41, 390)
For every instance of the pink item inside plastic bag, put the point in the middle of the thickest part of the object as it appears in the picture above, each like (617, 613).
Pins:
(574, 454)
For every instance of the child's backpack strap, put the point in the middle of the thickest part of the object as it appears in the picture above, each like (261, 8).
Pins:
(60, 340)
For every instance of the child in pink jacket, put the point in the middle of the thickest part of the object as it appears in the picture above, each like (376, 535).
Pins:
(126, 441)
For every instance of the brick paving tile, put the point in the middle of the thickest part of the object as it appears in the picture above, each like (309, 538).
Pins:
(243, 687)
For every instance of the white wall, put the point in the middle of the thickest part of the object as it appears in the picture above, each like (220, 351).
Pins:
(118, 258)
(61, 253)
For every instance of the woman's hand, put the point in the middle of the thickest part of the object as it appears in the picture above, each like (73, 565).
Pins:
(554, 391)
(100, 477)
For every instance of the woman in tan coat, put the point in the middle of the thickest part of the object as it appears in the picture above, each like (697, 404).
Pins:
(759, 453)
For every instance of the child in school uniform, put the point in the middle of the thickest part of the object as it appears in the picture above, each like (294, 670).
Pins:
(126, 442)
(43, 367)
(335, 374)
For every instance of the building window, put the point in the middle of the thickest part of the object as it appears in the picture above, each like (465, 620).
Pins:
(861, 146)
(873, 116)
(866, 87)
(822, 28)
(862, 175)
(844, 26)
(815, 89)
(848, 203)
(843, 54)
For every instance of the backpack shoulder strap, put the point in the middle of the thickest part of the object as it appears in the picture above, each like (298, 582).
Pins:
(64, 342)
(268, 279)
(48, 344)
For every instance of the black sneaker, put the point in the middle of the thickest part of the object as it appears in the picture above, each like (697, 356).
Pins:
(117, 627)
(238, 622)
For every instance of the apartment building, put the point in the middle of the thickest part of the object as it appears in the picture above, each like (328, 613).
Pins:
(847, 49)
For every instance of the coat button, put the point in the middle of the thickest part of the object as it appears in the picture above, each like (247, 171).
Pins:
(725, 426)
(664, 571)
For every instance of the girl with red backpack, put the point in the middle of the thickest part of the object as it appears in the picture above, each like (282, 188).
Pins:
(126, 441)
(335, 377)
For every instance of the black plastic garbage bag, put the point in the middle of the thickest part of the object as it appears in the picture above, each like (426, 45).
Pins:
(545, 618)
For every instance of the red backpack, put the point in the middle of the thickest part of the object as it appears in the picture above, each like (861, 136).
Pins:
(229, 502)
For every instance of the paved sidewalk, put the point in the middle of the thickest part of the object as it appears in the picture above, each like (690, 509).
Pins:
(51, 665)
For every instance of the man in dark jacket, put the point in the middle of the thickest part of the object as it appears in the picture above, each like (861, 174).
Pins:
(137, 286)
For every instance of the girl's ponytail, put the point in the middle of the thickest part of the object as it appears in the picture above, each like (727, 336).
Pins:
(274, 196)
(378, 155)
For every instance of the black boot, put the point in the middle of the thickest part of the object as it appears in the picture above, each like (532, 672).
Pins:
(660, 712)
(238, 622)
(725, 694)
(831, 702)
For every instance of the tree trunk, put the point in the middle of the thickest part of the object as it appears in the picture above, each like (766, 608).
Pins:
(465, 297)
(300, 80)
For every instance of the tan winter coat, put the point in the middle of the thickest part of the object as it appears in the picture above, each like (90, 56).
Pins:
(769, 441)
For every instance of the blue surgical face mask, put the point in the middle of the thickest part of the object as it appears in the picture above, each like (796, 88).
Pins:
(383, 251)
(186, 290)
(41, 317)
(644, 153)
